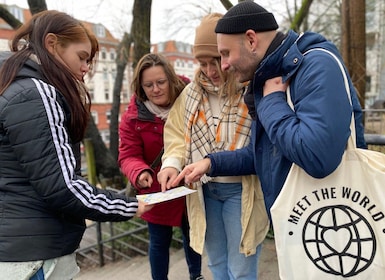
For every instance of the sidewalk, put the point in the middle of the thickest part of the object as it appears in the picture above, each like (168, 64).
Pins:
(139, 268)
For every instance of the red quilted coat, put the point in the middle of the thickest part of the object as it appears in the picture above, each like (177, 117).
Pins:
(141, 140)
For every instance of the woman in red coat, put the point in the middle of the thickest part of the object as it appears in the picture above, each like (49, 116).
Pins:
(156, 87)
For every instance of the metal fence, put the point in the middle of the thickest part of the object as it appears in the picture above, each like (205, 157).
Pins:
(110, 241)
(107, 242)
(374, 123)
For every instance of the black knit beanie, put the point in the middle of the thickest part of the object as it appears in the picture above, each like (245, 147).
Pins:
(246, 15)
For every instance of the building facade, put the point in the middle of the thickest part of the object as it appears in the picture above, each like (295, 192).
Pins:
(101, 84)
(180, 55)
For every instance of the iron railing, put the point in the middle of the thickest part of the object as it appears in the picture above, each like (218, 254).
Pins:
(374, 128)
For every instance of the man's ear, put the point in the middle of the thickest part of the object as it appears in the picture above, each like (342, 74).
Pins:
(251, 39)
(50, 42)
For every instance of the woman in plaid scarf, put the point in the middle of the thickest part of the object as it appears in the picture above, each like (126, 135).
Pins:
(227, 214)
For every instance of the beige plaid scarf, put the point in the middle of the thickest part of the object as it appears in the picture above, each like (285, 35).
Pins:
(232, 132)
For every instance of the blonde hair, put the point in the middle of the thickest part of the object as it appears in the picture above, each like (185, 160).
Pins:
(229, 88)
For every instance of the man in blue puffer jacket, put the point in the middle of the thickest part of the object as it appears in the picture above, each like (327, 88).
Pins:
(314, 136)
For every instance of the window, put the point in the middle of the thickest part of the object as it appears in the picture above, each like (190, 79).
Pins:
(100, 31)
(103, 53)
(94, 115)
(161, 47)
(92, 95)
(124, 96)
(106, 94)
(112, 54)
(108, 116)
(105, 136)
(17, 12)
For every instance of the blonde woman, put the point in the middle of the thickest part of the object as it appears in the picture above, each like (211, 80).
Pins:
(227, 215)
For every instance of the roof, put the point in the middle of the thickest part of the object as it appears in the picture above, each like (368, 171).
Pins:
(7, 32)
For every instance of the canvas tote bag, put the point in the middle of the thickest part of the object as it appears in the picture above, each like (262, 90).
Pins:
(333, 228)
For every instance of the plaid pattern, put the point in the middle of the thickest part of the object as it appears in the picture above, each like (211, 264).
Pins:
(232, 132)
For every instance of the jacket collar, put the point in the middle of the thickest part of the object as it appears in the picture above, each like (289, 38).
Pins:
(287, 57)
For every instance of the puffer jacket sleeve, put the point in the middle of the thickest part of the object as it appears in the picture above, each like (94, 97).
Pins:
(131, 148)
(36, 126)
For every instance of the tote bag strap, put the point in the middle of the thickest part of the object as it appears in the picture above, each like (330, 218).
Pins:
(352, 138)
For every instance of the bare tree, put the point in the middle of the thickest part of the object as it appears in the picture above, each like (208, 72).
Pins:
(354, 43)
(227, 4)
(140, 39)
(122, 58)
(300, 15)
(140, 29)
(8, 17)
(36, 6)
(341, 21)
(107, 168)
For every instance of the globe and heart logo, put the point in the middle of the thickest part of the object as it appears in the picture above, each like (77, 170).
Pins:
(339, 240)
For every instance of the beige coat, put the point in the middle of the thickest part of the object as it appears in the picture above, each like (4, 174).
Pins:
(255, 223)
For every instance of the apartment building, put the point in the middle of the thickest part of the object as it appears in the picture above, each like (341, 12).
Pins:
(180, 55)
(102, 83)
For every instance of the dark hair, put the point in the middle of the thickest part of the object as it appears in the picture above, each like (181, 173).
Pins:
(30, 39)
(149, 60)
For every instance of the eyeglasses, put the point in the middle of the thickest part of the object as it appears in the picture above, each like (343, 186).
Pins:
(161, 84)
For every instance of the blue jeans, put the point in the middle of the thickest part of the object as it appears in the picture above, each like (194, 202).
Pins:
(159, 251)
(223, 233)
(39, 275)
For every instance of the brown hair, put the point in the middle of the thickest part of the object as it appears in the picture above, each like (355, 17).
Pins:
(30, 39)
(149, 60)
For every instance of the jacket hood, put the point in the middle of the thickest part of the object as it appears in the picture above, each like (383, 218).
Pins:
(30, 70)
(286, 59)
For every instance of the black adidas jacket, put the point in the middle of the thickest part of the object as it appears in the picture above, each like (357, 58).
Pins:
(43, 202)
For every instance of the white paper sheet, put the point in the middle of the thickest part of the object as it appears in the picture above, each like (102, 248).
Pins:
(170, 194)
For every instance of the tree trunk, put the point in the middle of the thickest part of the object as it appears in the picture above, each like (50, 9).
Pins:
(301, 15)
(9, 18)
(123, 54)
(353, 47)
(106, 165)
(227, 4)
(36, 6)
(140, 29)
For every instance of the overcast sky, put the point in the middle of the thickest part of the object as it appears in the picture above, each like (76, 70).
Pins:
(170, 20)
